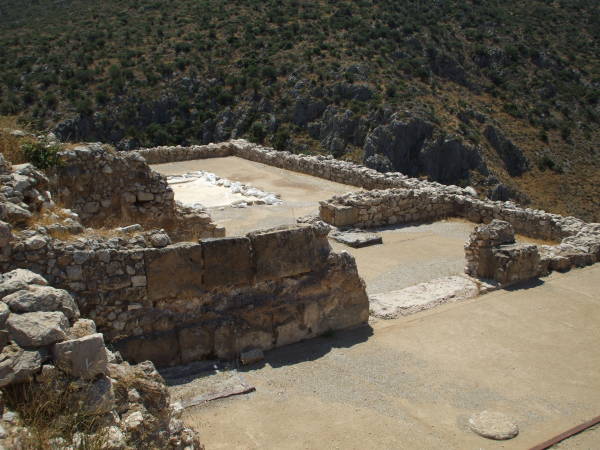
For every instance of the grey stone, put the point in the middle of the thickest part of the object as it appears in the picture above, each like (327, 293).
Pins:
(493, 425)
(82, 328)
(37, 329)
(251, 356)
(357, 239)
(5, 234)
(42, 298)
(17, 365)
(160, 240)
(83, 357)
(145, 196)
(4, 312)
(99, 398)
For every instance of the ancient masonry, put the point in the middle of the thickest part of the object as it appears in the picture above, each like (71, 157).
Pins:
(393, 198)
(174, 303)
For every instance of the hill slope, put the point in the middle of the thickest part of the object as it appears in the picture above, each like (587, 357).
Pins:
(504, 95)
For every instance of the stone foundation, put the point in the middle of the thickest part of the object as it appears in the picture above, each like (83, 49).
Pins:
(107, 189)
(215, 298)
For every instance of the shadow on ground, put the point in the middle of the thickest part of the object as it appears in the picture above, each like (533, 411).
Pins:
(308, 350)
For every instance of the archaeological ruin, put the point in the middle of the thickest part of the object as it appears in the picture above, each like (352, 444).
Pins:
(104, 269)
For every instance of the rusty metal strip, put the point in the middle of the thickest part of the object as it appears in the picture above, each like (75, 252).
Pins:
(567, 434)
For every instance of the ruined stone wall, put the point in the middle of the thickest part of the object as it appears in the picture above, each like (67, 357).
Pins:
(216, 298)
(107, 188)
(492, 253)
(456, 201)
(397, 206)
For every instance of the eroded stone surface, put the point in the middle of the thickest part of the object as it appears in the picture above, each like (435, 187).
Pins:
(357, 238)
(410, 300)
(493, 425)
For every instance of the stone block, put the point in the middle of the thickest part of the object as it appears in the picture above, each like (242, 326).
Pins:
(83, 357)
(515, 262)
(174, 271)
(227, 261)
(196, 343)
(345, 215)
(37, 329)
(288, 252)
(160, 348)
(252, 356)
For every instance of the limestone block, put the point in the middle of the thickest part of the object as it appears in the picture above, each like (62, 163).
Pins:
(82, 328)
(83, 357)
(227, 261)
(515, 262)
(287, 252)
(37, 329)
(345, 215)
(174, 271)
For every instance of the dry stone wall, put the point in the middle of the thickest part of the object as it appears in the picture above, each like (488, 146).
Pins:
(108, 188)
(393, 198)
(453, 200)
(216, 298)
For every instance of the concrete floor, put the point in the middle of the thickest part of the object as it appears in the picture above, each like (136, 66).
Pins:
(410, 383)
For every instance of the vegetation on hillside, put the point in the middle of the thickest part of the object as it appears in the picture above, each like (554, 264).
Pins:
(293, 74)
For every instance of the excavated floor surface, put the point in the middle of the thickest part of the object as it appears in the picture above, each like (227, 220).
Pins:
(531, 353)
(409, 254)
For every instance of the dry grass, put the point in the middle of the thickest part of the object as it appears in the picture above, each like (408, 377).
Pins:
(49, 413)
(10, 146)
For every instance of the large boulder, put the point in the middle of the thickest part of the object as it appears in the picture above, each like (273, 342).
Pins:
(42, 298)
(18, 279)
(37, 329)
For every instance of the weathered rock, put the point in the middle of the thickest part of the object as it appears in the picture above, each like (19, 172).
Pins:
(42, 298)
(4, 312)
(514, 160)
(251, 356)
(83, 357)
(420, 297)
(227, 261)
(18, 279)
(17, 365)
(493, 425)
(357, 238)
(5, 234)
(98, 398)
(82, 328)
(37, 329)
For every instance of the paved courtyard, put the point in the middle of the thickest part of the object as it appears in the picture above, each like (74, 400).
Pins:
(410, 383)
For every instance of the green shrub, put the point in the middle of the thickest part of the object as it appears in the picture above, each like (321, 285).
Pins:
(41, 155)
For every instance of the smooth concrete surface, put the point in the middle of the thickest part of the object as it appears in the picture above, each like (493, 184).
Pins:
(532, 353)
(300, 193)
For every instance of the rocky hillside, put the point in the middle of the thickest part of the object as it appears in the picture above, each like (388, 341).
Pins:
(502, 95)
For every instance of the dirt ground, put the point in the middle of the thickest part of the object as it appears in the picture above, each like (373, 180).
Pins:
(531, 353)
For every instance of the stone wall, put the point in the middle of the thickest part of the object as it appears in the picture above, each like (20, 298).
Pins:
(396, 206)
(492, 253)
(455, 201)
(107, 188)
(215, 298)
(45, 343)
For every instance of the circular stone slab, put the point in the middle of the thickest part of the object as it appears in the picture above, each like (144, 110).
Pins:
(493, 425)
